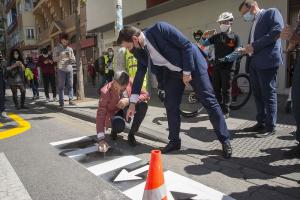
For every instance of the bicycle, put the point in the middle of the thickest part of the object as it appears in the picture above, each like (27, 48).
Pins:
(241, 93)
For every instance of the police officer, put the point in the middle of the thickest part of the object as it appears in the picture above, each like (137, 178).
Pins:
(225, 43)
(3, 115)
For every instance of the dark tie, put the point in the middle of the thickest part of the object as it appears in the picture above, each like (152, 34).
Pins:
(149, 82)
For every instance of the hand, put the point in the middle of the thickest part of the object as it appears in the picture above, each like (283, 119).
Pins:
(249, 49)
(123, 103)
(103, 146)
(287, 32)
(186, 79)
(46, 62)
(130, 111)
(242, 51)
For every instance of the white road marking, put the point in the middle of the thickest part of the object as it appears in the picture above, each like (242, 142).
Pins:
(68, 141)
(113, 165)
(81, 152)
(124, 175)
(177, 183)
(10, 185)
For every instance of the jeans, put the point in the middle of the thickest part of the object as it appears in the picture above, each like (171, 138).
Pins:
(222, 77)
(65, 78)
(35, 87)
(118, 121)
(14, 90)
(2, 92)
(264, 89)
(49, 78)
(296, 97)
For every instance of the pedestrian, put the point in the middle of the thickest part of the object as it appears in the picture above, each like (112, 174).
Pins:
(3, 63)
(46, 64)
(109, 65)
(293, 36)
(176, 62)
(64, 56)
(225, 44)
(15, 78)
(113, 105)
(34, 80)
(264, 58)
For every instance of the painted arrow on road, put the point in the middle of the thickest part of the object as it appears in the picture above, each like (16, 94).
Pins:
(124, 175)
(182, 196)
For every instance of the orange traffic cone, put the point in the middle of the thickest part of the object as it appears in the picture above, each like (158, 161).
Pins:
(155, 188)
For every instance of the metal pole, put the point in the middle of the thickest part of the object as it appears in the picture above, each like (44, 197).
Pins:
(118, 17)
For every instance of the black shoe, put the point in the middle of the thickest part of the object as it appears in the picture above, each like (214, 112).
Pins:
(171, 147)
(24, 107)
(114, 136)
(266, 133)
(131, 140)
(227, 150)
(293, 153)
(256, 128)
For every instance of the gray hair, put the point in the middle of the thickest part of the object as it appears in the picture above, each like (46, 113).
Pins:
(121, 77)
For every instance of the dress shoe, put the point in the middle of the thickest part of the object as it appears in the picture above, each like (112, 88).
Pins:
(131, 140)
(256, 128)
(171, 147)
(266, 133)
(227, 150)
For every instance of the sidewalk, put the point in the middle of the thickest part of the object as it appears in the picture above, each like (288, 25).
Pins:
(198, 138)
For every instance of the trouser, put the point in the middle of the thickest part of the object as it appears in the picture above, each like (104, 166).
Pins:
(49, 79)
(2, 92)
(222, 77)
(296, 97)
(35, 87)
(75, 84)
(101, 79)
(65, 78)
(174, 88)
(264, 89)
(118, 120)
(14, 90)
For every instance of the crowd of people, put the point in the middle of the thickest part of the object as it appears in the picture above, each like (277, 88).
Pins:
(162, 50)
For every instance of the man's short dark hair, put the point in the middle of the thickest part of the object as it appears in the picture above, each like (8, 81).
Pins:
(247, 3)
(126, 34)
(64, 36)
(121, 77)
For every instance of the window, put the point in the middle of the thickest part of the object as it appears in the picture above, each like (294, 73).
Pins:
(30, 33)
(28, 5)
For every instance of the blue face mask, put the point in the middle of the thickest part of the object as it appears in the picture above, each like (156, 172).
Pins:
(248, 17)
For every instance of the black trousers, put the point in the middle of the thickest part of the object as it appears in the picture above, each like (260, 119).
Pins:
(49, 79)
(14, 90)
(75, 83)
(222, 77)
(2, 92)
(118, 121)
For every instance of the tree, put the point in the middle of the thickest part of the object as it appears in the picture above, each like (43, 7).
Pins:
(80, 83)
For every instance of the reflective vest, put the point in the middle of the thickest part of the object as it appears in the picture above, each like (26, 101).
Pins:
(106, 59)
(131, 64)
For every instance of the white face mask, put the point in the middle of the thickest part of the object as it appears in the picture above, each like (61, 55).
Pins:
(45, 55)
(224, 27)
(16, 56)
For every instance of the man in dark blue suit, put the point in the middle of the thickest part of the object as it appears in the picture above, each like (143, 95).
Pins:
(176, 62)
(264, 58)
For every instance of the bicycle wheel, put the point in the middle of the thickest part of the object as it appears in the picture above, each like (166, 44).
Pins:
(241, 91)
(190, 105)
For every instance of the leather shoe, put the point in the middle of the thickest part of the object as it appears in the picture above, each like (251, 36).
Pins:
(171, 147)
(131, 140)
(256, 128)
(227, 150)
(266, 133)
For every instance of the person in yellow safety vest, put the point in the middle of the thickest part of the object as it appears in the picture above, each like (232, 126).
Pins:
(131, 67)
(109, 65)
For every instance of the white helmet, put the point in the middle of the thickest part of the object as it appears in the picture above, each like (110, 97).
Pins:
(226, 16)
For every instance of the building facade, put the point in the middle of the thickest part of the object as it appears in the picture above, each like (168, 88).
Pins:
(188, 16)
(2, 28)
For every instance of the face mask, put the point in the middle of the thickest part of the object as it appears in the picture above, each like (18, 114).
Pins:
(16, 56)
(110, 54)
(248, 17)
(224, 27)
(45, 55)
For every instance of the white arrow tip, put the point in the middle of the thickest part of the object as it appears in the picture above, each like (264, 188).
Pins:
(126, 176)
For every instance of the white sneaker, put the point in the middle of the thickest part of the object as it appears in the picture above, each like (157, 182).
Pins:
(4, 115)
(55, 99)
(47, 100)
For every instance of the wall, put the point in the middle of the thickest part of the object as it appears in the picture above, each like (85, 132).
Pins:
(203, 15)
(101, 12)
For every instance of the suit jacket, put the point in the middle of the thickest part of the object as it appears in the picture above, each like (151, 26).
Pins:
(108, 105)
(267, 44)
(173, 46)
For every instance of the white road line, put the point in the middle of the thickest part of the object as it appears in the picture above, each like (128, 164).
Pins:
(10, 185)
(80, 152)
(113, 165)
(68, 141)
